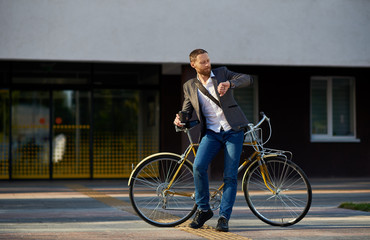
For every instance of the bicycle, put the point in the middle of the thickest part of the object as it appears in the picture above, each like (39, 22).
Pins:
(277, 191)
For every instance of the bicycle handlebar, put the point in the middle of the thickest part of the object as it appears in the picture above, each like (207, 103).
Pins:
(187, 126)
(251, 126)
(264, 117)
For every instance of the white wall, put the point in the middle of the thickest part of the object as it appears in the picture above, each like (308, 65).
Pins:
(277, 32)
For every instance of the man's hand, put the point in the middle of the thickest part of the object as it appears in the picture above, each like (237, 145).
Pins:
(177, 121)
(223, 87)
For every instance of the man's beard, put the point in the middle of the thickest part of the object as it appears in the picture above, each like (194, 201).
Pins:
(206, 72)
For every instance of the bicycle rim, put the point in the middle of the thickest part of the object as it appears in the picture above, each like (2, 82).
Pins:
(148, 193)
(291, 198)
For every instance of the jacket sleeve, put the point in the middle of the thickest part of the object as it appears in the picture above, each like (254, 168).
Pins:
(238, 79)
(187, 106)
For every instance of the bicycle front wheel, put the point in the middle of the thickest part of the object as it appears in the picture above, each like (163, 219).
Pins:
(282, 197)
(153, 200)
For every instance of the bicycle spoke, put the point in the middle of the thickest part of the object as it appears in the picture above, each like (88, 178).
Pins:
(146, 183)
(291, 199)
(154, 200)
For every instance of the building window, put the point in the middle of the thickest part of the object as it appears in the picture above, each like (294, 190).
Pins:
(333, 116)
(247, 98)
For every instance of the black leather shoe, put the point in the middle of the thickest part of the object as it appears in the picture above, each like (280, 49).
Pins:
(200, 218)
(222, 225)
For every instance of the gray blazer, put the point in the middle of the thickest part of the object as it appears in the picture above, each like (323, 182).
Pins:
(233, 113)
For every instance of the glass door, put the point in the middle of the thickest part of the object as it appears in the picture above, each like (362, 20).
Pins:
(71, 131)
(30, 134)
(126, 127)
(4, 134)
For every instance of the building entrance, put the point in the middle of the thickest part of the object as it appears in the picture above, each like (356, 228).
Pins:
(86, 131)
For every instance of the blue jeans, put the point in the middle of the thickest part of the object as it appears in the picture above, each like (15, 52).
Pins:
(232, 143)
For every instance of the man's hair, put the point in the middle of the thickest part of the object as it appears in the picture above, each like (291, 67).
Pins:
(193, 55)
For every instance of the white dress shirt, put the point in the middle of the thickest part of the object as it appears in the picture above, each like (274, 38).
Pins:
(215, 117)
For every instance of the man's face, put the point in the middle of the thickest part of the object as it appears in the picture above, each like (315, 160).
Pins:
(202, 64)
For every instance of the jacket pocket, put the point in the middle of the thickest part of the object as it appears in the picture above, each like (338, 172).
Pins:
(232, 106)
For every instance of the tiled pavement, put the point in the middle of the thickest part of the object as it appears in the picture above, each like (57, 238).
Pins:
(100, 209)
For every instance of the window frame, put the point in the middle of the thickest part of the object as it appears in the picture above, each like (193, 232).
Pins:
(254, 87)
(329, 137)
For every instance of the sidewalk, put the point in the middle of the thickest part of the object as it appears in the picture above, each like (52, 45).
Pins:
(100, 209)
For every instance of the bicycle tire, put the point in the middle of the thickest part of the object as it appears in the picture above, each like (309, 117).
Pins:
(293, 196)
(147, 196)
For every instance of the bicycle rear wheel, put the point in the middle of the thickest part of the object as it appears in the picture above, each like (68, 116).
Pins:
(149, 195)
(291, 195)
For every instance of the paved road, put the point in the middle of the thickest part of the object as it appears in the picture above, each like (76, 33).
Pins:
(100, 209)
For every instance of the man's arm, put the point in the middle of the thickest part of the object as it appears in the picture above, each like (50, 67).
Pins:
(234, 80)
(238, 79)
(186, 106)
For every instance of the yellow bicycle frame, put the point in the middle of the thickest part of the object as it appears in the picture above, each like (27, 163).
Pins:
(255, 155)
(167, 190)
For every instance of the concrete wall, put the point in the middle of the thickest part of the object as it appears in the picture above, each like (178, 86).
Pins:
(267, 32)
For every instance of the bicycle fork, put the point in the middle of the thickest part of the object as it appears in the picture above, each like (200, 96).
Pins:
(266, 176)
(263, 169)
